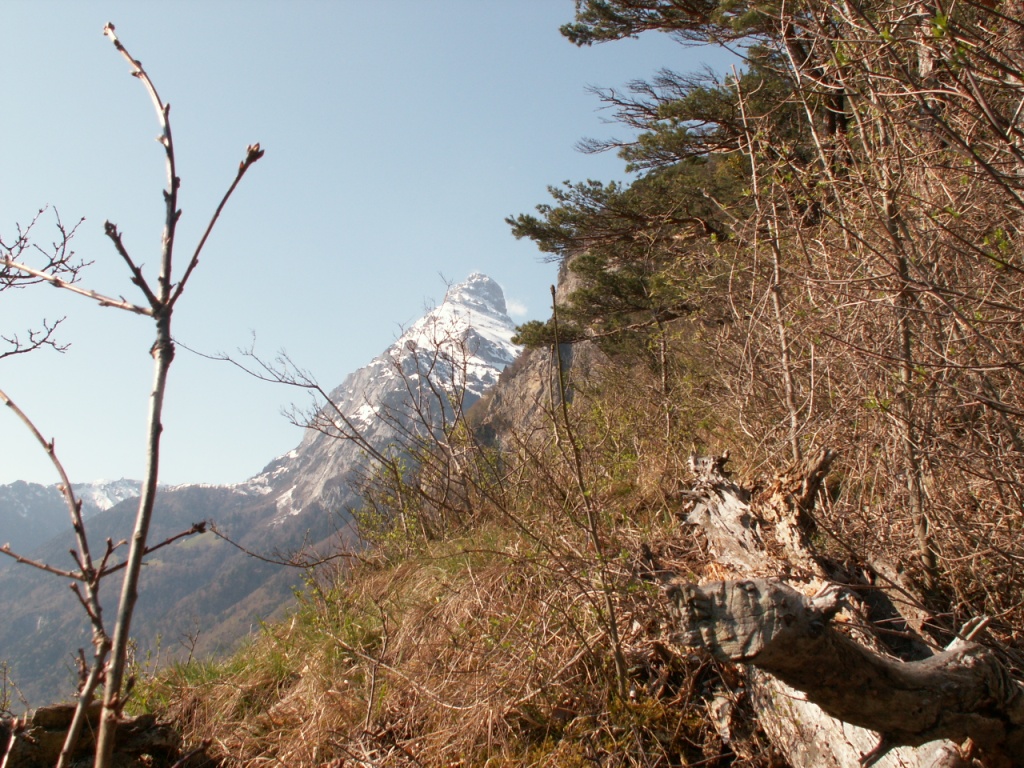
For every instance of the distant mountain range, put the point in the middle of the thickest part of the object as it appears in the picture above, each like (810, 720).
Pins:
(31, 513)
(203, 589)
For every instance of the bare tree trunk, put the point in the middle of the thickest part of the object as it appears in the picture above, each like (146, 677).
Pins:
(163, 353)
(752, 148)
(162, 302)
(909, 437)
(592, 529)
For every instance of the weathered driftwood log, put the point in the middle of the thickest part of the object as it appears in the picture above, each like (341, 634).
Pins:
(844, 686)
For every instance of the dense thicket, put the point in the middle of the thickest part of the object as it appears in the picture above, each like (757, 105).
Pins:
(839, 220)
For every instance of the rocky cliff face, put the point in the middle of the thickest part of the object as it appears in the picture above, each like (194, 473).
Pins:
(528, 391)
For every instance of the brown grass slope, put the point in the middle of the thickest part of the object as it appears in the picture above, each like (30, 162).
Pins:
(509, 611)
(494, 640)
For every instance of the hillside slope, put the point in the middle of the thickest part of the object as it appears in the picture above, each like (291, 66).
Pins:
(202, 595)
(537, 630)
(496, 642)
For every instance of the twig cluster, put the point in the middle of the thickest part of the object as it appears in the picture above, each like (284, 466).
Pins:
(59, 268)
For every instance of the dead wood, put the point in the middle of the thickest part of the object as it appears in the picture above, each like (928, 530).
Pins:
(959, 694)
(825, 683)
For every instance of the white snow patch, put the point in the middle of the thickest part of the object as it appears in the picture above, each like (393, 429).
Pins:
(285, 504)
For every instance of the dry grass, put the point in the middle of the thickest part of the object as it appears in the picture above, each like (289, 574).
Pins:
(491, 645)
(489, 648)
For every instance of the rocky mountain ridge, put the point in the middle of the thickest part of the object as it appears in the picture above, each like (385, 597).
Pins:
(32, 513)
(446, 359)
(207, 589)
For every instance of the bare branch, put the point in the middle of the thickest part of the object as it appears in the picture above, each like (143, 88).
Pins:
(6, 550)
(253, 153)
(104, 301)
(110, 230)
(74, 504)
(58, 261)
(196, 528)
(291, 562)
(173, 182)
(36, 340)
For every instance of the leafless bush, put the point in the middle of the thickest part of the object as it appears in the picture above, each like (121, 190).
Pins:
(25, 264)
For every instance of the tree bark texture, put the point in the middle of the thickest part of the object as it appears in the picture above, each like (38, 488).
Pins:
(825, 694)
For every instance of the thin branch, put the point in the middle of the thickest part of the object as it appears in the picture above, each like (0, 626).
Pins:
(6, 550)
(294, 563)
(173, 182)
(74, 504)
(196, 528)
(252, 154)
(104, 301)
(36, 340)
(110, 230)
(58, 262)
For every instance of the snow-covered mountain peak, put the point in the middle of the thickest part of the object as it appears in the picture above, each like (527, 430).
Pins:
(31, 513)
(104, 494)
(478, 292)
(471, 322)
(445, 360)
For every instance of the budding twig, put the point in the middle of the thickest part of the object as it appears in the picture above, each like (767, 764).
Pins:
(110, 230)
(6, 549)
(252, 154)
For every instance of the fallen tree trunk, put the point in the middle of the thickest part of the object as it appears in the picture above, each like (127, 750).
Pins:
(856, 705)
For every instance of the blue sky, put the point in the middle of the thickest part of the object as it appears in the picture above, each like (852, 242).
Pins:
(398, 133)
